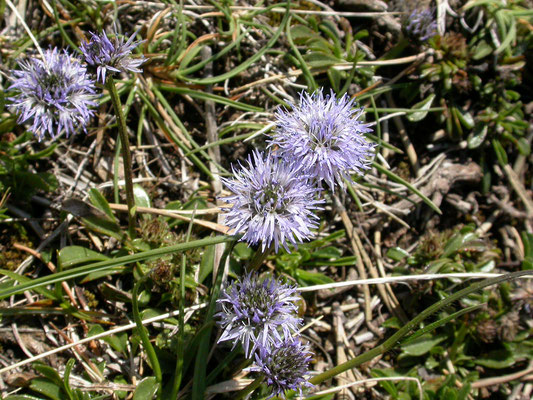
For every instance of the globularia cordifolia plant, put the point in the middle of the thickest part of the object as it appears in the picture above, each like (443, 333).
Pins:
(273, 203)
(324, 135)
(258, 312)
(111, 55)
(54, 93)
(275, 196)
(284, 366)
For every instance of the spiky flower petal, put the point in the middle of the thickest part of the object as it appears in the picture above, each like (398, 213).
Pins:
(111, 54)
(273, 203)
(285, 366)
(55, 93)
(325, 135)
(258, 312)
(421, 25)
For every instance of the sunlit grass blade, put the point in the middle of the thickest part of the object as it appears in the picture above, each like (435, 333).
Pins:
(396, 178)
(104, 265)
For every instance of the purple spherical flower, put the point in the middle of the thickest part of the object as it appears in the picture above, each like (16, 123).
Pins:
(421, 25)
(54, 93)
(111, 55)
(323, 133)
(258, 312)
(273, 202)
(284, 366)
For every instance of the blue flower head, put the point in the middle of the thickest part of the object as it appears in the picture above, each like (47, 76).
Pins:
(284, 366)
(54, 93)
(111, 55)
(324, 134)
(421, 25)
(258, 313)
(272, 202)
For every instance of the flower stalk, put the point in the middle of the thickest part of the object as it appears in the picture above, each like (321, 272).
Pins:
(126, 154)
(152, 356)
(259, 257)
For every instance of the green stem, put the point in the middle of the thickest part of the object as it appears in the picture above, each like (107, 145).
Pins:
(250, 388)
(144, 336)
(199, 380)
(258, 258)
(395, 338)
(178, 371)
(126, 155)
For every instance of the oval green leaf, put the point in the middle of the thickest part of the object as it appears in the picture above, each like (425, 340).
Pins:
(423, 106)
(146, 389)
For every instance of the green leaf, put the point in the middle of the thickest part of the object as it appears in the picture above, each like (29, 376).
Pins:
(100, 274)
(104, 226)
(440, 322)
(500, 152)
(481, 50)
(527, 242)
(66, 377)
(477, 137)
(146, 389)
(509, 38)
(319, 45)
(301, 33)
(118, 341)
(320, 60)
(523, 147)
(75, 255)
(206, 264)
(465, 118)
(141, 197)
(397, 253)
(101, 203)
(396, 178)
(23, 279)
(48, 372)
(328, 253)
(423, 106)
(103, 220)
(496, 359)
(312, 278)
(150, 313)
(458, 240)
(209, 96)
(338, 262)
(422, 344)
(49, 389)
